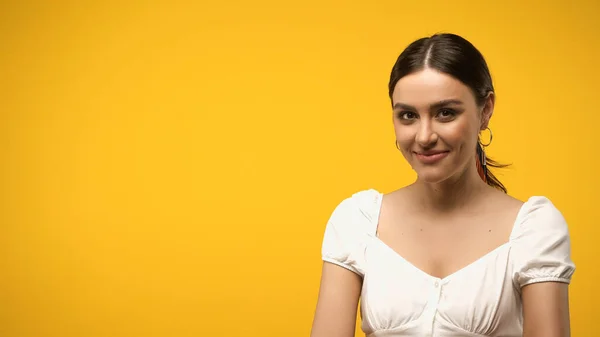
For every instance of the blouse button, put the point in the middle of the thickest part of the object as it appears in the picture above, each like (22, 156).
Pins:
(437, 284)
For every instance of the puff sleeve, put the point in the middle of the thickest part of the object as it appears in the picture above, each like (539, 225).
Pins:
(346, 235)
(542, 247)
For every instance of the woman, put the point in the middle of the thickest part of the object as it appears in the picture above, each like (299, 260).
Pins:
(451, 254)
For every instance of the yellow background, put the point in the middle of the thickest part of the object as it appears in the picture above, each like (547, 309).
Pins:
(167, 169)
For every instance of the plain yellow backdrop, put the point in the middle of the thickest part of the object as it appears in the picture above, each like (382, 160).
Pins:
(167, 168)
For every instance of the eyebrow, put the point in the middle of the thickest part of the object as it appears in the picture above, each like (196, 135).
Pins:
(433, 106)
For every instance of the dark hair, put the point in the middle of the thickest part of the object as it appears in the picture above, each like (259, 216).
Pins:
(453, 55)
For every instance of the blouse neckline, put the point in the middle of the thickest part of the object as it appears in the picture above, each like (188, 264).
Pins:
(443, 280)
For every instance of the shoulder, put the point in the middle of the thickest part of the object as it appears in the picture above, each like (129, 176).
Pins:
(357, 210)
(541, 244)
(539, 216)
(351, 224)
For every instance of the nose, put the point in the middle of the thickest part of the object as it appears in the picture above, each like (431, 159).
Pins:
(426, 135)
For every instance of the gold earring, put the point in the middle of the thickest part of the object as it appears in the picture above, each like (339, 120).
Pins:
(397, 145)
(491, 137)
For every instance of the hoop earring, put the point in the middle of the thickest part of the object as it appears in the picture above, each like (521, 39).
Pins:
(397, 145)
(491, 137)
(481, 162)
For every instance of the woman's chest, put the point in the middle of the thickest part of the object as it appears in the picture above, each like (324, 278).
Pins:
(479, 298)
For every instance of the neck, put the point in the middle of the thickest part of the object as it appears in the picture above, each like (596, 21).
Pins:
(451, 194)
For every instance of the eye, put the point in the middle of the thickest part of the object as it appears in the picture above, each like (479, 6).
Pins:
(407, 115)
(446, 114)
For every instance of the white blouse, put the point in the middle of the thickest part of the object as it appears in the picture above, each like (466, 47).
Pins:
(481, 299)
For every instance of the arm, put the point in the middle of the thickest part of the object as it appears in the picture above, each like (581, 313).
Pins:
(544, 269)
(546, 310)
(336, 310)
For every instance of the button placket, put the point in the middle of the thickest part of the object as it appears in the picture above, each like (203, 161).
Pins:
(432, 306)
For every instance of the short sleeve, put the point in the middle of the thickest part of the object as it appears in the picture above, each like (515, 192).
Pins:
(542, 247)
(348, 231)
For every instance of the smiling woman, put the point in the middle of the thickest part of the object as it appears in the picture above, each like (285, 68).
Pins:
(452, 253)
(452, 61)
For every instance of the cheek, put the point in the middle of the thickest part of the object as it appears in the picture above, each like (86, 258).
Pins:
(404, 134)
(461, 137)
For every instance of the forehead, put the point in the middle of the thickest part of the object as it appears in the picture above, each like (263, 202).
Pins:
(429, 86)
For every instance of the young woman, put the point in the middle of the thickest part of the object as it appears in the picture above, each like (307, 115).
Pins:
(451, 254)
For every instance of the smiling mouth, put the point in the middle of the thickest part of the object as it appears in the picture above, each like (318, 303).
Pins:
(432, 157)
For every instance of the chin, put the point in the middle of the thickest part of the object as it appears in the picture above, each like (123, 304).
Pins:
(432, 176)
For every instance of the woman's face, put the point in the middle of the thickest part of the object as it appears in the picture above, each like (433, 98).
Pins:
(437, 122)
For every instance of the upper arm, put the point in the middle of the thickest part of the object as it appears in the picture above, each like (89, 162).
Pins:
(337, 304)
(544, 268)
(344, 242)
(546, 310)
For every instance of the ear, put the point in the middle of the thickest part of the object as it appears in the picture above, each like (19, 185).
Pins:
(488, 110)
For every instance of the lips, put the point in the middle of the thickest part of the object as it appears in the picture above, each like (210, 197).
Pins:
(431, 157)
